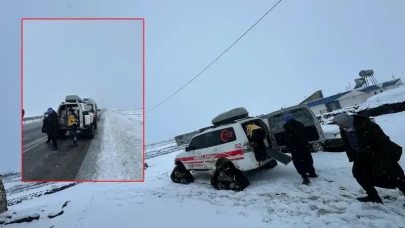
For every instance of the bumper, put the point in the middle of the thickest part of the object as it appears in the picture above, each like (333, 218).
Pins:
(332, 143)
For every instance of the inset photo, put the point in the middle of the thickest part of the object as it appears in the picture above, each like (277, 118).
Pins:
(82, 99)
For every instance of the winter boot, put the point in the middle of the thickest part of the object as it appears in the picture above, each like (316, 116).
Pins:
(313, 175)
(372, 199)
(306, 181)
(49, 139)
(402, 188)
(54, 146)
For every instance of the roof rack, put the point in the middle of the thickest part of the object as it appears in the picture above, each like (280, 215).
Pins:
(230, 116)
(73, 98)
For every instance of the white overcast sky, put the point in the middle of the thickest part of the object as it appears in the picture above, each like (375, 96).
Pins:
(301, 47)
(97, 59)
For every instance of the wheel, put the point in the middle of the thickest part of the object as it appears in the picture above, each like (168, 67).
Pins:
(272, 163)
(181, 175)
(91, 131)
(317, 147)
(227, 177)
(222, 162)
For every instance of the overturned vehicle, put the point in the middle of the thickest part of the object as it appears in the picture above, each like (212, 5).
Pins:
(235, 143)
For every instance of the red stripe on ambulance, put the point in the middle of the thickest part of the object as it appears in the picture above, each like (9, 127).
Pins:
(202, 158)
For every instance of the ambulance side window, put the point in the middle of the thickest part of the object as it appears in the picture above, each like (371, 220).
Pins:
(219, 137)
(197, 143)
(213, 138)
(223, 136)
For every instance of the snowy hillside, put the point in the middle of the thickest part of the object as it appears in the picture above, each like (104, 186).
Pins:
(393, 96)
(275, 197)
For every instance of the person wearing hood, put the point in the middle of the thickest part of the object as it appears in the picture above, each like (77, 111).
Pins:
(375, 157)
(46, 127)
(53, 119)
(297, 144)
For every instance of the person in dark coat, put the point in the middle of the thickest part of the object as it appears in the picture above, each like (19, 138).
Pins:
(46, 126)
(375, 157)
(297, 143)
(53, 127)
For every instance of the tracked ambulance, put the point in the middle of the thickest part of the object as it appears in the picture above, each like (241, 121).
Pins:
(226, 141)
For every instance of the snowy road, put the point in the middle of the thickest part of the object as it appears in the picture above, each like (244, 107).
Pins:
(115, 153)
(42, 163)
(32, 135)
(275, 198)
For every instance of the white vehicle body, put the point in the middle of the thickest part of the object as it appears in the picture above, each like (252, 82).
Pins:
(332, 137)
(82, 111)
(93, 107)
(331, 132)
(228, 140)
(236, 149)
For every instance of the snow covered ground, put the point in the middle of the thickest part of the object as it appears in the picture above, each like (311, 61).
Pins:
(117, 154)
(122, 141)
(389, 97)
(275, 198)
(396, 95)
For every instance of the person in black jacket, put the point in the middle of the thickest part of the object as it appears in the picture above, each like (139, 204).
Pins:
(375, 157)
(53, 127)
(46, 126)
(297, 143)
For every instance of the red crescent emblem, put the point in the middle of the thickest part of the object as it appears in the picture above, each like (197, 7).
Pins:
(225, 135)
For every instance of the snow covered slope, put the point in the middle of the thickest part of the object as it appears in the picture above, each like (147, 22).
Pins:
(389, 97)
(393, 96)
(275, 198)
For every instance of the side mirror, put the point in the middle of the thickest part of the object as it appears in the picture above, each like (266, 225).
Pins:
(187, 149)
